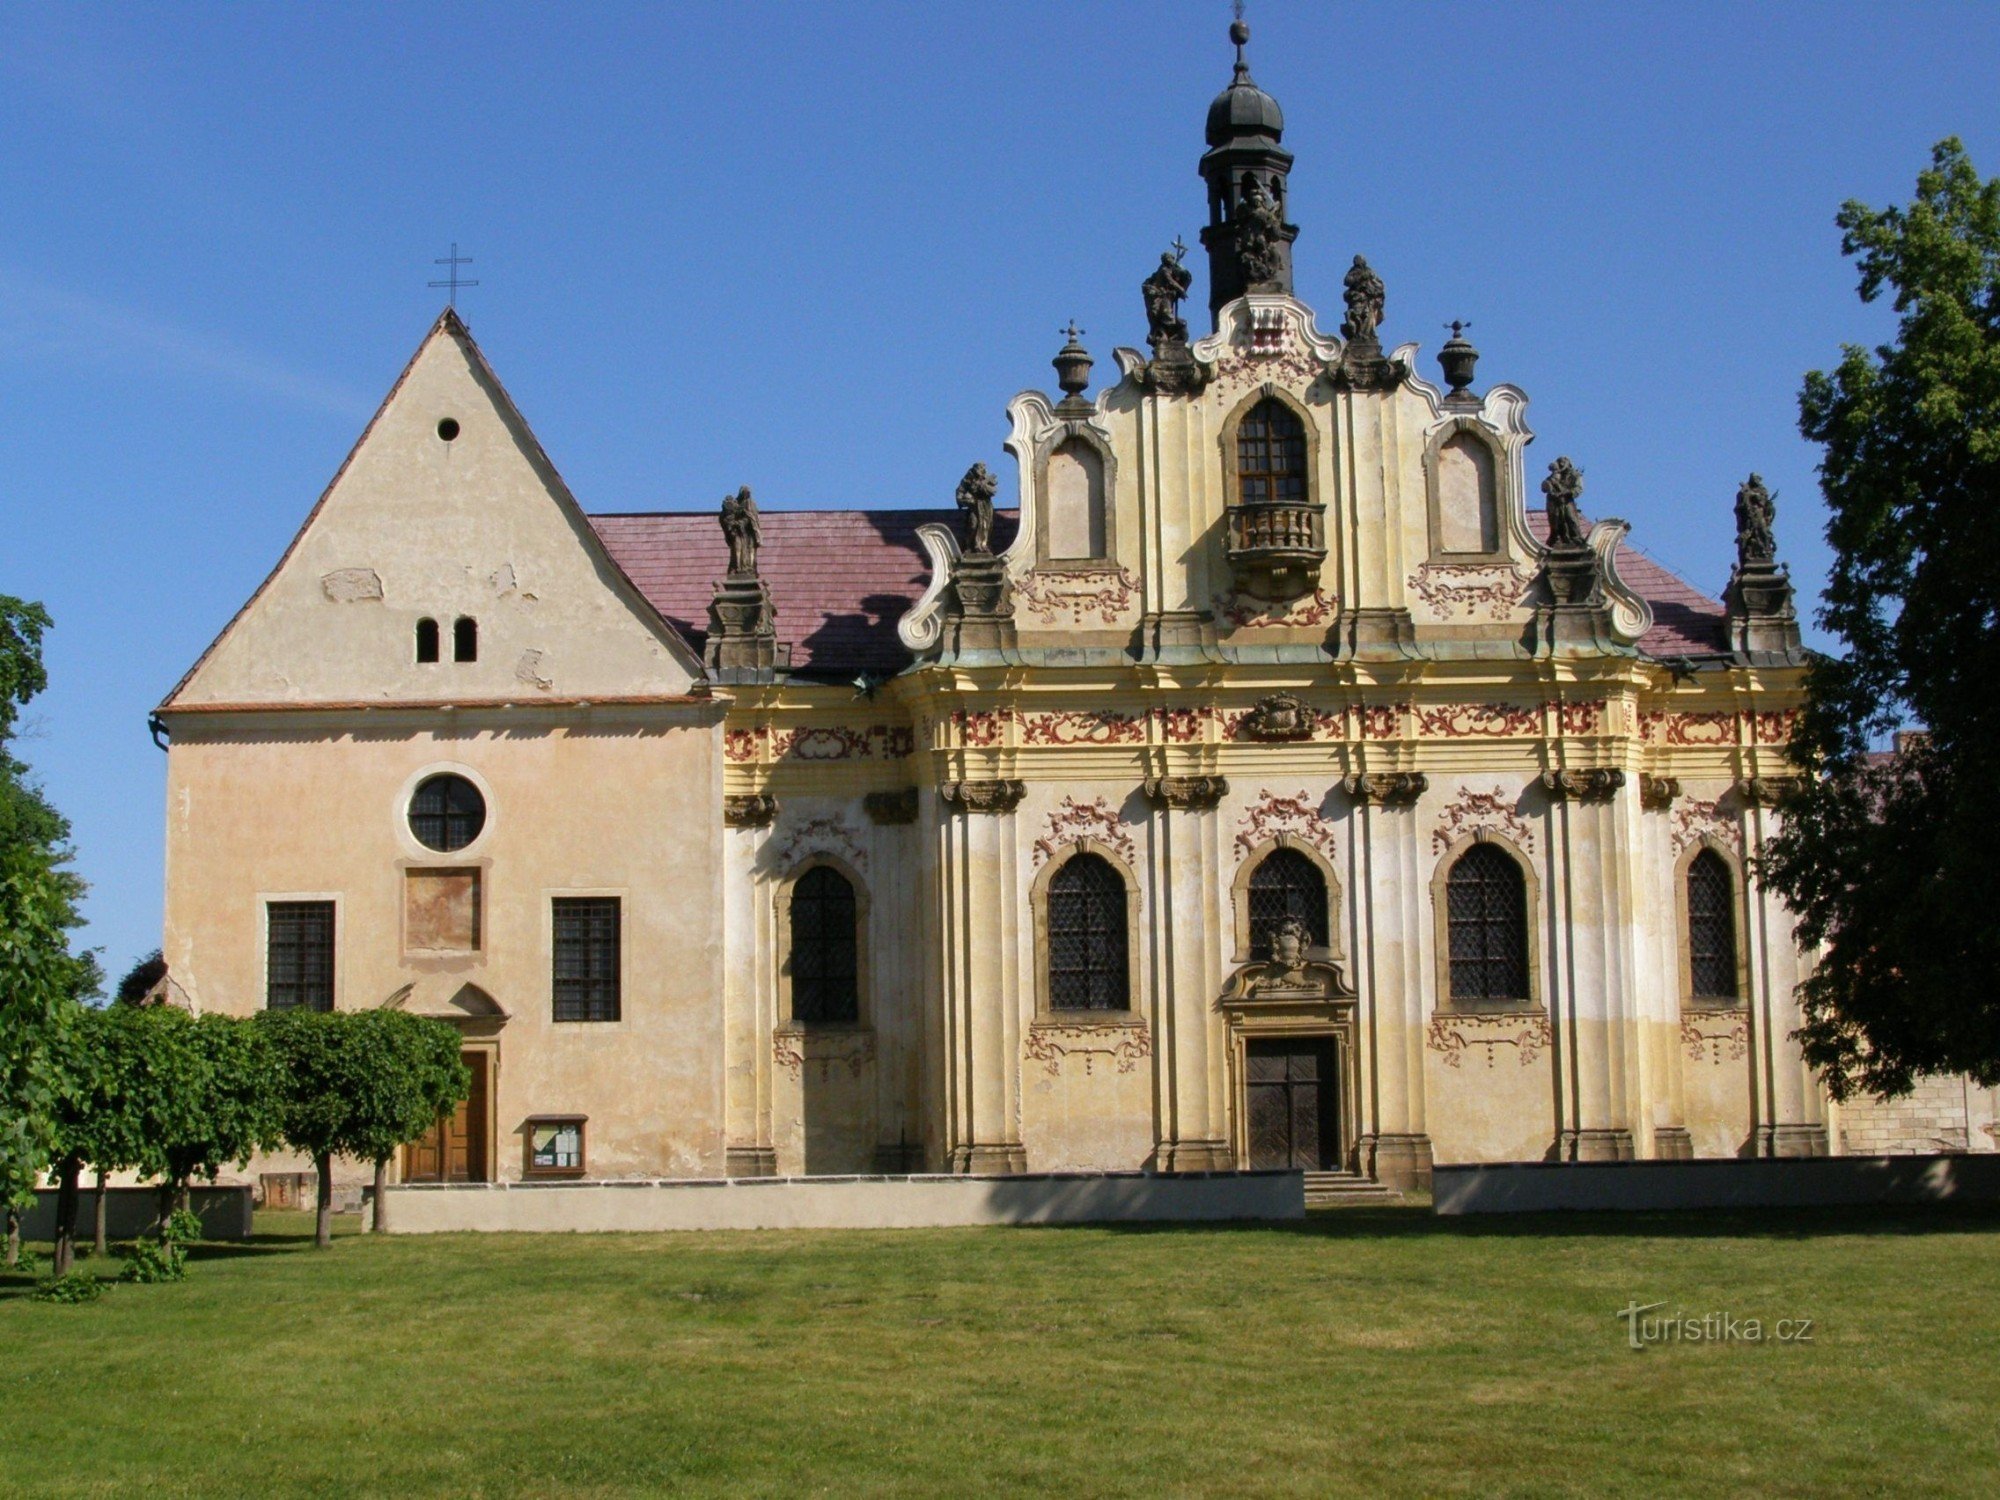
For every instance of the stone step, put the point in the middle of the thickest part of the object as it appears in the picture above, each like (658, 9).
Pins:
(1345, 1189)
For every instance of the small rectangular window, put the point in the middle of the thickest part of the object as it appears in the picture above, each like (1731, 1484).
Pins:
(555, 1145)
(299, 955)
(585, 981)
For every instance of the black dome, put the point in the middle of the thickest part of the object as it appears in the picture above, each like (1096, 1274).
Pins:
(1243, 109)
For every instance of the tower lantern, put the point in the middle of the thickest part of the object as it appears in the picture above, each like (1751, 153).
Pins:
(1249, 243)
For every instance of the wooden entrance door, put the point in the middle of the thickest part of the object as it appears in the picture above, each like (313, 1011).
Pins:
(455, 1149)
(1292, 1093)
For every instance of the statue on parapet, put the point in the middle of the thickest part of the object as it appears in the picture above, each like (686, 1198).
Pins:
(975, 498)
(1756, 515)
(1164, 291)
(1366, 297)
(743, 531)
(1562, 490)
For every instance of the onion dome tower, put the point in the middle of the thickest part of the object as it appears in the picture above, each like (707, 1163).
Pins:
(1249, 243)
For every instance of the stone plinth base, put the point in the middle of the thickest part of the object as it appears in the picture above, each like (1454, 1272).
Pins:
(1403, 1162)
(1193, 1156)
(750, 1161)
(846, 1202)
(1603, 1145)
(1672, 1143)
(989, 1160)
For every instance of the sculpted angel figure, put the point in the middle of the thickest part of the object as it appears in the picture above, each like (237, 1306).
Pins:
(1258, 224)
(1756, 513)
(1365, 299)
(1163, 291)
(1563, 488)
(975, 498)
(742, 530)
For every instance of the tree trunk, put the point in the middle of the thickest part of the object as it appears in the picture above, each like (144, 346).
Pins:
(181, 1196)
(66, 1207)
(380, 1222)
(99, 1244)
(13, 1238)
(323, 1226)
(166, 1204)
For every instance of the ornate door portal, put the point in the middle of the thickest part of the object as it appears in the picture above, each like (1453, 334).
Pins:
(1292, 1092)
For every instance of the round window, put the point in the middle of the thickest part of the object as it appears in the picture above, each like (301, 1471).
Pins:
(447, 812)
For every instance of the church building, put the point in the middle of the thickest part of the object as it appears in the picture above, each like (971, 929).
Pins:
(1297, 777)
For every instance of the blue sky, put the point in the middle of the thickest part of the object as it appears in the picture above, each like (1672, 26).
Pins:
(815, 248)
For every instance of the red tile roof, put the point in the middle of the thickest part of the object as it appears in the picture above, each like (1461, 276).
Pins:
(842, 578)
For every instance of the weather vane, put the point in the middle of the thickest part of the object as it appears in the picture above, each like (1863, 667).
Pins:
(452, 279)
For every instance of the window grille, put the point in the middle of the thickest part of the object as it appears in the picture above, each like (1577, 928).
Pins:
(825, 986)
(1087, 957)
(1711, 899)
(1271, 456)
(586, 958)
(447, 812)
(299, 955)
(1486, 907)
(1285, 884)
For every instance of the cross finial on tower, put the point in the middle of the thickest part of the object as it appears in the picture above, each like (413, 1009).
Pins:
(453, 281)
(1072, 333)
(1239, 33)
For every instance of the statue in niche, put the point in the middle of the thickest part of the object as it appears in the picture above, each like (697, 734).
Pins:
(975, 498)
(1756, 513)
(1366, 297)
(1164, 291)
(1563, 488)
(1259, 225)
(742, 530)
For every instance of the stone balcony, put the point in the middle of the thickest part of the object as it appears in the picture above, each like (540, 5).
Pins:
(1276, 550)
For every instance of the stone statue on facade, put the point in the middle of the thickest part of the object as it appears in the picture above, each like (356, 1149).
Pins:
(743, 531)
(1756, 514)
(975, 498)
(1366, 297)
(1259, 230)
(1164, 291)
(1562, 489)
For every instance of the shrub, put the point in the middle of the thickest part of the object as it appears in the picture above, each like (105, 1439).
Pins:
(150, 1261)
(78, 1286)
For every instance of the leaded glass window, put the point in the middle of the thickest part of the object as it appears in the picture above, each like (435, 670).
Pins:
(1271, 456)
(1087, 950)
(825, 985)
(585, 981)
(447, 812)
(298, 955)
(1486, 911)
(1711, 898)
(1285, 884)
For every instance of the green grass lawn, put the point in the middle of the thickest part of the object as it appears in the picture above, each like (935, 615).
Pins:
(1365, 1351)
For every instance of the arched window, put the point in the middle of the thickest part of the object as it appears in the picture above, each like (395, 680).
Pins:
(447, 812)
(825, 984)
(427, 640)
(465, 639)
(1087, 957)
(1468, 512)
(1486, 909)
(1285, 884)
(1076, 503)
(1271, 456)
(1711, 929)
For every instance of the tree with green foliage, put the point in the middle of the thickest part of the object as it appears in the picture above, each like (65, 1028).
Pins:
(231, 1108)
(359, 1084)
(40, 978)
(1887, 859)
(407, 1072)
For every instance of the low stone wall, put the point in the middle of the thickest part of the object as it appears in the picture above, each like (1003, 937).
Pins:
(130, 1212)
(845, 1202)
(1796, 1182)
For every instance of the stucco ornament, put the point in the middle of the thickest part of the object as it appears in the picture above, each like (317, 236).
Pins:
(743, 531)
(975, 497)
(1295, 971)
(1756, 514)
(1282, 716)
(1366, 297)
(1164, 291)
(1562, 490)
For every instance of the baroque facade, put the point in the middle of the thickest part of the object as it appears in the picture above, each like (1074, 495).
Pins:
(1291, 779)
